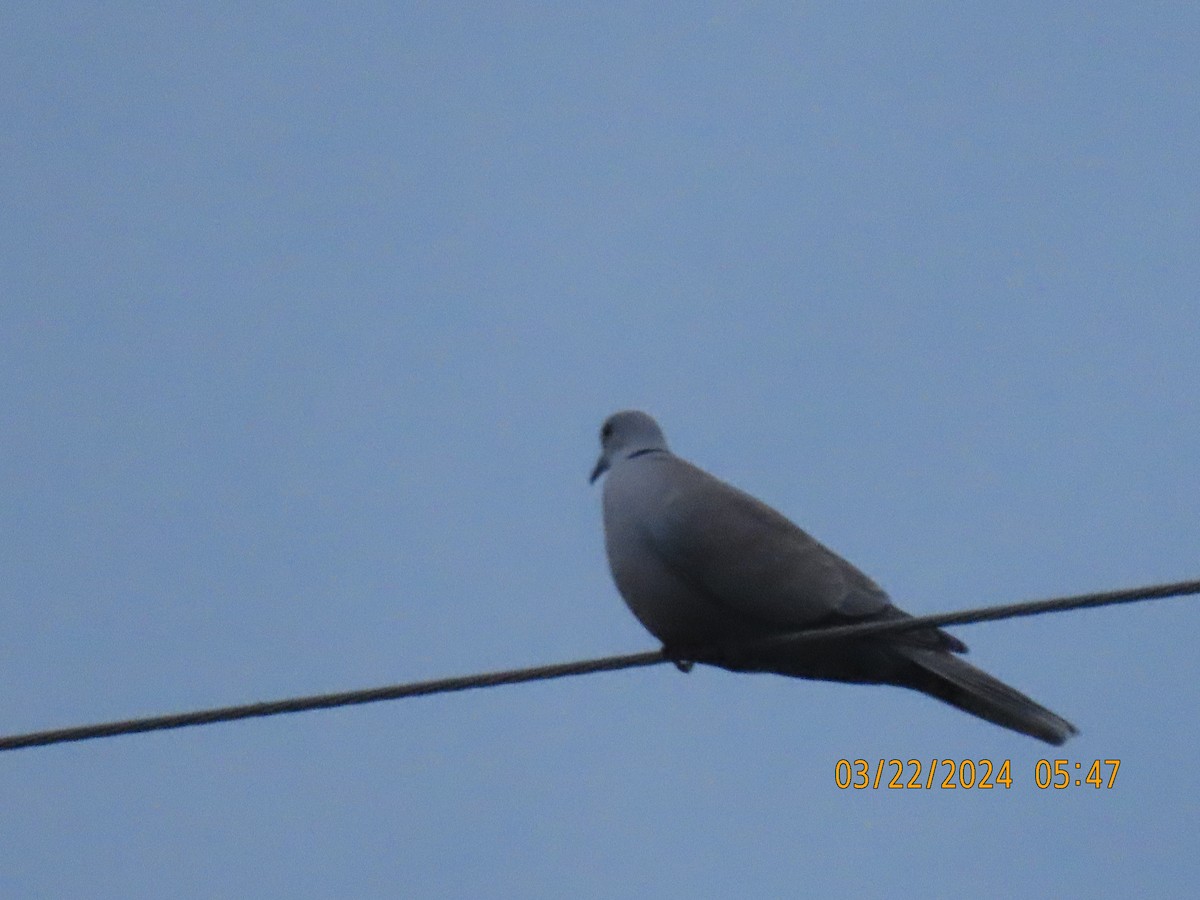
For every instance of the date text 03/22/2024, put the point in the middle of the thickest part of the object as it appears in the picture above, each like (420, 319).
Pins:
(971, 774)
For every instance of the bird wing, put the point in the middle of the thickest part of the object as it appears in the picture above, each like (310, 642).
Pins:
(748, 558)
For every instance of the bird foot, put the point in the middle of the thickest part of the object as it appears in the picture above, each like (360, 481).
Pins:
(683, 665)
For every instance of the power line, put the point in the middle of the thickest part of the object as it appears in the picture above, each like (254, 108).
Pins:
(582, 667)
(328, 701)
(990, 613)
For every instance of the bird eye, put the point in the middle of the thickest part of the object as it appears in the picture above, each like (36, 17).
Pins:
(606, 431)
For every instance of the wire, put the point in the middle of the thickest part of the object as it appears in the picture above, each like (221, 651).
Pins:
(582, 667)
(989, 613)
(328, 701)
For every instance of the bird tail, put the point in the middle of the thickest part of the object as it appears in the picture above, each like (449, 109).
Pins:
(972, 690)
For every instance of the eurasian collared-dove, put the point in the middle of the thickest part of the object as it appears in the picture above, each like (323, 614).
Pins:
(708, 570)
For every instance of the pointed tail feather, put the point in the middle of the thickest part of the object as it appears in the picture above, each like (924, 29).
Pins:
(950, 679)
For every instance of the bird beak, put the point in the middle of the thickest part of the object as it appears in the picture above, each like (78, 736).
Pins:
(601, 468)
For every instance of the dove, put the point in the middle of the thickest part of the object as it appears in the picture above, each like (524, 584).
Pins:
(721, 578)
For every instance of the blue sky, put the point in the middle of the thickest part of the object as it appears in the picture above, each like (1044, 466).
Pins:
(308, 322)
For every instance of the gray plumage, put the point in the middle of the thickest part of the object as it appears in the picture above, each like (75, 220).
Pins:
(708, 568)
